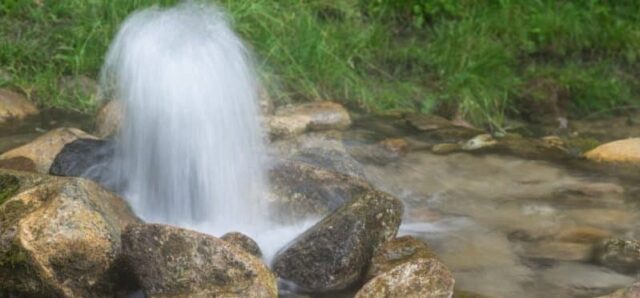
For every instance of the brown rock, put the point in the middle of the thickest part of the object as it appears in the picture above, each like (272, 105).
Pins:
(60, 236)
(622, 151)
(562, 251)
(173, 262)
(419, 278)
(396, 252)
(109, 119)
(445, 148)
(43, 150)
(243, 241)
(582, 234)
(19, 163)
(15, 106)
(322, 115)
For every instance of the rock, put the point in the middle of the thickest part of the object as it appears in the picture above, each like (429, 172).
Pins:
(19, 163)
(43, 150)
(322, 115)
(396, 252)
(582, 234)
(559, 251)
(441, 129)
(632, 291)
(243, 241)
(109, 119)
(623, 151)
(15, 106)
(419, 278)
(331, 159)
(622, 255)
(302, 190)
(335, 252)
(381, 153)
(610, 219)
(88, 158)
(445, 148)
(173, 262)
(479, 142)
(59, 237)
(265, 101)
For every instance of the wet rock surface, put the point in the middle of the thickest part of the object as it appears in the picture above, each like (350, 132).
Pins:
(301, 189)
(243, 241)
(59, 236)
(18, 163)
(331, 159)
(334, 254)
(15, 106)
(173, 262)
(631, 291)
(381, 153)
(43, 150)
(89, 158)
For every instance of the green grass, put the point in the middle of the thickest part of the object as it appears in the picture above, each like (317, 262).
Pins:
(477, 59)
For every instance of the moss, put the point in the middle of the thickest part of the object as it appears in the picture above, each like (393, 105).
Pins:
(9, 185)
(581, 145)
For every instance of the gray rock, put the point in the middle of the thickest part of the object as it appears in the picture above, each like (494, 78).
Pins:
(334, 254)
(243, 241)
(622, 255)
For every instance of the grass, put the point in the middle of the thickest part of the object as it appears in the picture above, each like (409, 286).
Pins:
(481, 60)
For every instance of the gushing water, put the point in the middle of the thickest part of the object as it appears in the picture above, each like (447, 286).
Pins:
(190, 152)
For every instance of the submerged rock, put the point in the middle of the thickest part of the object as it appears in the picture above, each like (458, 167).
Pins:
(381, 153)
(109, 119)
(173, 262)
(89, 158)
(43, 150)
(15, 106)
(243, 241)
(334, 253)
(59, 237)
(559, 251)
(631, 291)
(301, 190)
(419, 278)
(622, 255)
(322, 115)
(396, 252)
(623, 151)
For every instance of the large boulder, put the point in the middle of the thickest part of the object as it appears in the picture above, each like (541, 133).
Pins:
(59, 237)
(44, 149)
(322, 115)
(419, 278)
(334, 254)
(15, 106)
(301, 189)
(89, 158)
(168, 261)
(622, 151)
(619, 254)
(109, 119)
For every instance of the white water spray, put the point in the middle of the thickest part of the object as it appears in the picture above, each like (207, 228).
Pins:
(191, 149)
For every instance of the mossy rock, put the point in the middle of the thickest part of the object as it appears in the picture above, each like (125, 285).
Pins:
(9, 186)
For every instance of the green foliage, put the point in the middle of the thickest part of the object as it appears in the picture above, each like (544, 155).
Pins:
(474, 55)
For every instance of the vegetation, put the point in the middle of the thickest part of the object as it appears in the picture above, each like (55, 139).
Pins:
(483, 60)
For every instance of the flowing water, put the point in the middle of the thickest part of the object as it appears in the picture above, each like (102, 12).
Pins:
(191, 150)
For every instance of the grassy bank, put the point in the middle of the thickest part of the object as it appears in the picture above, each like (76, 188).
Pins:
(482, 60)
